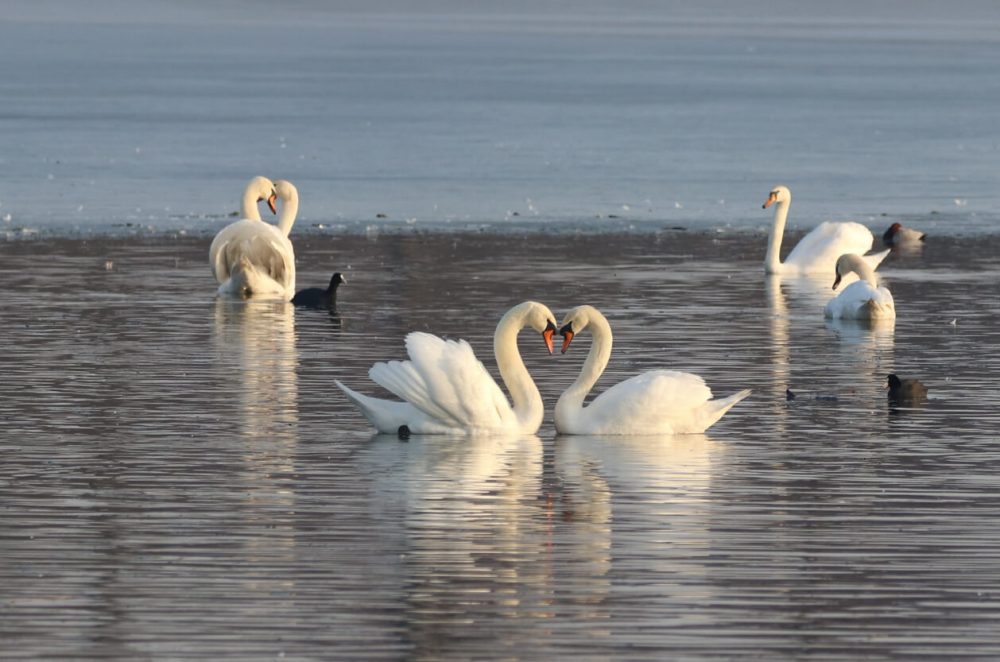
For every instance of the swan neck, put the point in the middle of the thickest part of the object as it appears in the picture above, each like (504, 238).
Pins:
(289, 210)
(593, 367)
(527, 400)
(248, 207)
(864, 271)
(772, 261)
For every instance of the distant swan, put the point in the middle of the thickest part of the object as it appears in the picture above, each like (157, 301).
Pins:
(863, 299)
(254, 258)
(446, 390)
(818, 251)
(655, 402)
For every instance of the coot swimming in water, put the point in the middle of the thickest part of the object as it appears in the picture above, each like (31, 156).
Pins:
(316, 297)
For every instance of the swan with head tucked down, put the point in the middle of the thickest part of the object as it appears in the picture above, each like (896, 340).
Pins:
(817, 252)
(254, 258)
(655, 402)
(862, 299)
(446, 390)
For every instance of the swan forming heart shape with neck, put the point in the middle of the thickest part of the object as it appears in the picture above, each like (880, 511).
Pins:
(655, 402)
(445, 390)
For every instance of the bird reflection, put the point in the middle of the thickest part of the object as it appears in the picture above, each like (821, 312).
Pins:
(257, 355)
(477, 537)
(808, 296)
(779, 327)
(609, 482)
(869, 343)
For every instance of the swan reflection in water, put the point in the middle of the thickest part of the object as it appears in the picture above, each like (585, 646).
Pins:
(256, 340)
(808, 296)
(477, 539)
(257, 355)
(640, 500)
(868, 344)
(865, 347)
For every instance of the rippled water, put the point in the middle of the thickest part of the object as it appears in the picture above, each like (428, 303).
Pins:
(181, 479)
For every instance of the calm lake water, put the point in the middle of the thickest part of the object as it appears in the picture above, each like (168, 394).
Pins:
(157, 113)
(181, 479)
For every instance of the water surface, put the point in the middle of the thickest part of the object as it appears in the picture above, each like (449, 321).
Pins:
(181, 478)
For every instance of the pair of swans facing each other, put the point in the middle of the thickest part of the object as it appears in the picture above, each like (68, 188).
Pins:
(252, 258)
(444, 389)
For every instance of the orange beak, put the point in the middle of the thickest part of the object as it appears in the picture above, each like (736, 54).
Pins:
(769, 201)
(271, 202)
(567, 335)
(547, 335)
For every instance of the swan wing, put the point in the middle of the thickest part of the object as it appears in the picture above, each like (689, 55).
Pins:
(655, 401)
(819, 250)
(217, 259)
(860, 300)
(445, 380)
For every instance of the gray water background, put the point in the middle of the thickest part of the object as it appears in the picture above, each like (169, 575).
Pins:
(455, 115)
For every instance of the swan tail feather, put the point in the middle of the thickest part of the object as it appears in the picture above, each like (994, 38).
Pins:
(710, 413)
(879, 310)
(243, 279)
(384, 415)
(875, 259)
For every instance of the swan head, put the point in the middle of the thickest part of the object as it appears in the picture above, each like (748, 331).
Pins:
(847, 263)
(286, 190)
(262, 188)
(779, 194)
(575, 321)
(537, 316)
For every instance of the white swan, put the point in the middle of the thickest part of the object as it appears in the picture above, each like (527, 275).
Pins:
(817, 251)
(254, 258)
(446, 390)
(861, 300)
(655, 402)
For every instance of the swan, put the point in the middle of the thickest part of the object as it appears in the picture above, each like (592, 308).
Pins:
(317, 297)
(818, 250)
(863, 299)
(446, 390)
(269, 264)
(655, 402)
